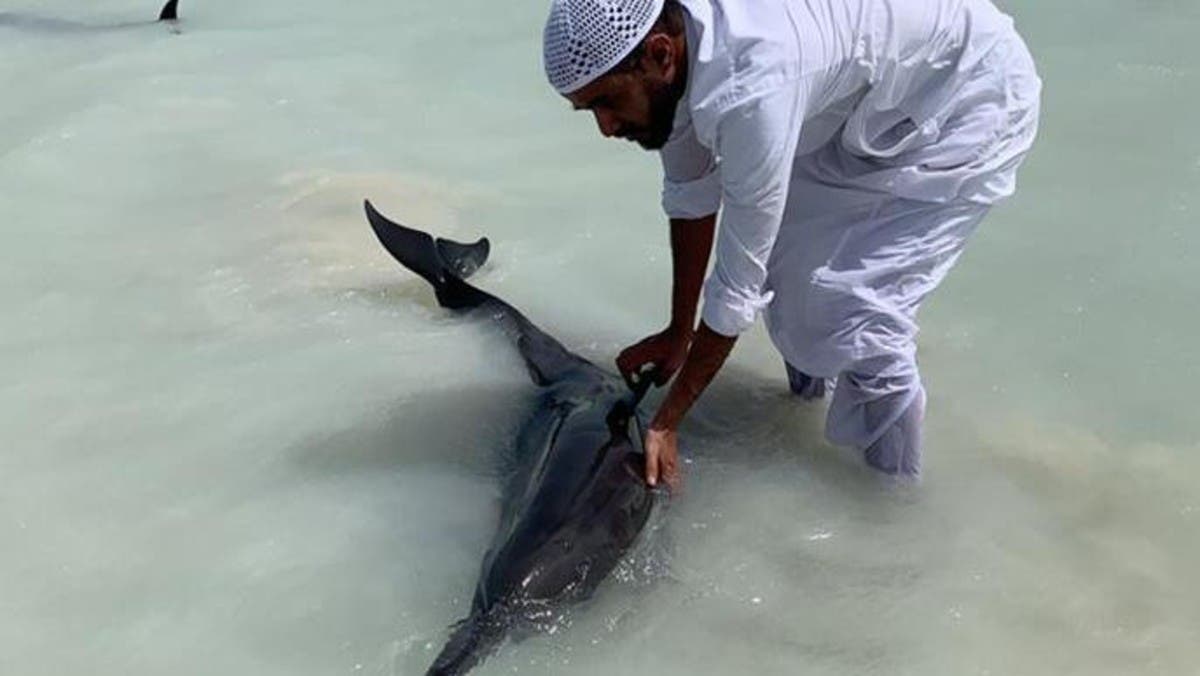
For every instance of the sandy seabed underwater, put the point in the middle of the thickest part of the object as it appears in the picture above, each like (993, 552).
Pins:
(235, 439)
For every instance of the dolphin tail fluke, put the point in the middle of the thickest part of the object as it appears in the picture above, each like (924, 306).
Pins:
(169, 11)
(463, 259)
(472, 640)
(441, 262)
(413, 249)
(445, 264)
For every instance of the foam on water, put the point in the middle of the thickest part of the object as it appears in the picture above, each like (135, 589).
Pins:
(235, 439)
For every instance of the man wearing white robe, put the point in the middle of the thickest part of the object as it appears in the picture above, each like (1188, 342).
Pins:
(850, 146)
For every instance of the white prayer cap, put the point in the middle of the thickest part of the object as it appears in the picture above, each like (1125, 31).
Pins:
(584, 39)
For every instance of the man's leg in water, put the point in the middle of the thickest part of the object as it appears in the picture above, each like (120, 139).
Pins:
(879, 409)
(854, 316)
(803, 385)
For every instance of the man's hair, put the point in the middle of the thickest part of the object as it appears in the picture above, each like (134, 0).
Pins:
(669, 21)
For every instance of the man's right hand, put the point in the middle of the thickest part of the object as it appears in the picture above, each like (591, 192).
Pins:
(664, 352)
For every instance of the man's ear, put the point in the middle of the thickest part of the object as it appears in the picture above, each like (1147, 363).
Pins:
(659, 55)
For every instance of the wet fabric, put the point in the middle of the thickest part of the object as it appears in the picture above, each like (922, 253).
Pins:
(852, 146)
(803, 385)
(933, 101)
(848, 314)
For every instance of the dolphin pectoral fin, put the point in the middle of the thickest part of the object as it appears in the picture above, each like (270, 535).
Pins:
(169, 11)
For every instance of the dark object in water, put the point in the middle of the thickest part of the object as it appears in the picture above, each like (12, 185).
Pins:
(576, 500)
(52, 26)
(169, 11)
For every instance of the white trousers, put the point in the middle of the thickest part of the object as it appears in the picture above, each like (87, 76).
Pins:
(849, 271)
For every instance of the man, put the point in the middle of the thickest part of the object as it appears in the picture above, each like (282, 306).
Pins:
(851, 147)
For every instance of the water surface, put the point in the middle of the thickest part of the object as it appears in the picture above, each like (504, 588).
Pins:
(235, 439)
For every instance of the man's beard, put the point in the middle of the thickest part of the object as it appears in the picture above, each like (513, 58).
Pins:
(663, 102)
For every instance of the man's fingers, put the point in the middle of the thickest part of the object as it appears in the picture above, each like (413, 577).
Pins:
(635, 368)
(628, 371)
(659, 375)
(623, 363)
(651, 466)
(632, 359)
(628, 376)
(649, 358)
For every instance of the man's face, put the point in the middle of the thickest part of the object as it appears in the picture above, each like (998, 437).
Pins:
(635, 105)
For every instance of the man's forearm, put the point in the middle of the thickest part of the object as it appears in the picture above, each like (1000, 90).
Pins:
(691, 243)
(708, 352)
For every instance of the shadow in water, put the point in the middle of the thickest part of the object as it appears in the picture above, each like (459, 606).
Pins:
(468, 427)
(744, 422)
(747, 421)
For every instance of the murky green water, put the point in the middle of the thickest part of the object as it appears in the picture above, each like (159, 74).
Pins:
(234, 439)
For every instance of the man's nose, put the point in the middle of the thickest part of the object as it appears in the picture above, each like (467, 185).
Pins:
(607, 122)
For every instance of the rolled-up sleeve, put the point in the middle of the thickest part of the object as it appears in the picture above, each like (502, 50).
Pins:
(691, 182)
(756, 142)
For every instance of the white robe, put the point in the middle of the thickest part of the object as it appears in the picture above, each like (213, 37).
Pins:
(851, 147)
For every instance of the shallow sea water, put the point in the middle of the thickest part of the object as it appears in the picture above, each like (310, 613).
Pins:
(235, 439)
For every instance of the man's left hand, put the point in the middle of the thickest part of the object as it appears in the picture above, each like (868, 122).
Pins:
(662, 457)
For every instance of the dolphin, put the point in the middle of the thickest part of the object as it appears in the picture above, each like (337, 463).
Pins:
(575, 500)
(168, 13)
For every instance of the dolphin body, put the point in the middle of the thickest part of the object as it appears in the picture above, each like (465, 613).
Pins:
(575, 501)
(169, 12)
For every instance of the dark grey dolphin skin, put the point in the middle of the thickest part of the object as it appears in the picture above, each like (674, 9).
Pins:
(169, 12)
(575, 501)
